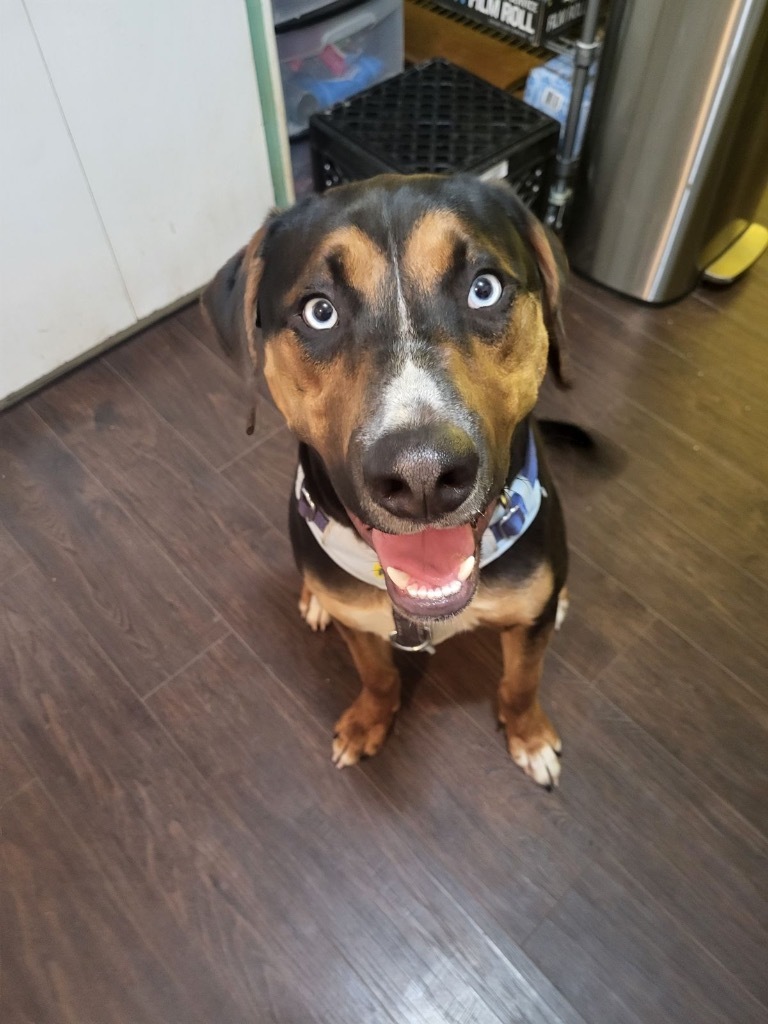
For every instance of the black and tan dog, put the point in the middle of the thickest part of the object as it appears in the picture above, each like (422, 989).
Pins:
(405, 325)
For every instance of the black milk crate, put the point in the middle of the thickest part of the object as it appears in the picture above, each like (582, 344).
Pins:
(436, 118)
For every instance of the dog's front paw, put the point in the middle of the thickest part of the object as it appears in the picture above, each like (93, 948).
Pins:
(361, 731)
(313, 613)
(534, 745)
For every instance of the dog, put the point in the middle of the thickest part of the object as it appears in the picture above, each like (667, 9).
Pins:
(404, 325)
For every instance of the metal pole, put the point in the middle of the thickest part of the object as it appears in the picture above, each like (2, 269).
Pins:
(567, 161)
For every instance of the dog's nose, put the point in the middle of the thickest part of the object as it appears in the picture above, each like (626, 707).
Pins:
(421, 473)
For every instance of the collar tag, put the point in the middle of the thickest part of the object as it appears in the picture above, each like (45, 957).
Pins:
(411, 636)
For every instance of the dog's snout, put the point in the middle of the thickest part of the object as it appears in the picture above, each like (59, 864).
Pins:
(421, 473)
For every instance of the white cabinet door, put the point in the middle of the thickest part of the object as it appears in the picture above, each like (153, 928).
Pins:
(60, 290)
(161, 99)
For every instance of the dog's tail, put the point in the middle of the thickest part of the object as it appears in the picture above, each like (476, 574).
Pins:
(562, 434)
(595, 454)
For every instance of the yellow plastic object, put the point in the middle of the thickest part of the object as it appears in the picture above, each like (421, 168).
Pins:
(739, 256)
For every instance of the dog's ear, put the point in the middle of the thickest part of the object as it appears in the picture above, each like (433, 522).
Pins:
(230, 304)
(230, 301)
(553, 267)
(222, 302)
(552, 263)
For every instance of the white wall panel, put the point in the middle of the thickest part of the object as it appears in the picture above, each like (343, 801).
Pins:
(162, 103)
(60, 290)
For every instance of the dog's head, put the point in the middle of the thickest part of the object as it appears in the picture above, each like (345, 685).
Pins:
(405, 326)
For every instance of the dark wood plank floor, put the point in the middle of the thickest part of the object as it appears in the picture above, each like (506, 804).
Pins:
(177, 847)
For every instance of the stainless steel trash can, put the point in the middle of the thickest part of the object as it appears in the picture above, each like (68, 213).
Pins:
(676, 154)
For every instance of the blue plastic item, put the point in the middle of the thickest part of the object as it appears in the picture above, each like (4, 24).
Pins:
(361, 72)
(548, 89)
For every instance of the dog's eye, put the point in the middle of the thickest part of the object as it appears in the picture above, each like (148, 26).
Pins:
(485, 291)
(320, 313)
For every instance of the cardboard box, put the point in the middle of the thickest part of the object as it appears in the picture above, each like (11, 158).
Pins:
(536, 21)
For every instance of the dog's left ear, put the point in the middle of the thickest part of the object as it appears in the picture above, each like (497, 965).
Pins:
(552, 263)
(553, 267)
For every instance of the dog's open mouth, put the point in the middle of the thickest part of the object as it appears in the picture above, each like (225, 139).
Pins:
(429, 574)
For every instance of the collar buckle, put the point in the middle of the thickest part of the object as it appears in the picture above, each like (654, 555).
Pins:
(310, 511)
(511, 522)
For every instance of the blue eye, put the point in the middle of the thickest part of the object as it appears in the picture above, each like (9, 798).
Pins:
(320, 313)
(484, 291)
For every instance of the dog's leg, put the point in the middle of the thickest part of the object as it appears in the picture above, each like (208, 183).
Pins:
(531, 738)
(363, 727)
(313, 613)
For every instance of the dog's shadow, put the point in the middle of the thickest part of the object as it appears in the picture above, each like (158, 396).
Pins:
(464, 670)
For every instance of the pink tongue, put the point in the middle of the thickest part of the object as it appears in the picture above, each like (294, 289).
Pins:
(432, 557)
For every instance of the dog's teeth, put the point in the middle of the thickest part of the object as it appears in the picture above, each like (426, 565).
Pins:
(421, 591)
(465, 569)
(399, 578)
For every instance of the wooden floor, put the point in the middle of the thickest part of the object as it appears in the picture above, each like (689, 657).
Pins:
(176, 845)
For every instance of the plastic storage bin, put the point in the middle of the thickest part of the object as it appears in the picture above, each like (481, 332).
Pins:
(436, 118)
(327, 59)
(290, 12)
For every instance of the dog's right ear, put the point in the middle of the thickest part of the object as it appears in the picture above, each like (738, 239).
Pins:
(230, 301)
(230, 304)
(222, 302)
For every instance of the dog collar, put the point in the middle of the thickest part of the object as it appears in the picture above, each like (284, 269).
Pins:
(515, 510)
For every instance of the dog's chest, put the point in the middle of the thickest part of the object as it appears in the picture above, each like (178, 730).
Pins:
(496, 606)
(378, 619)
